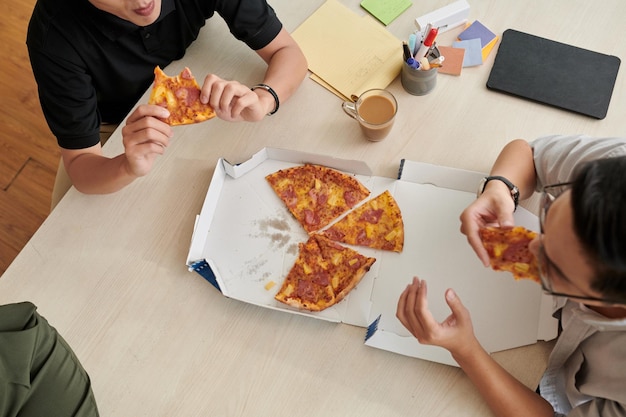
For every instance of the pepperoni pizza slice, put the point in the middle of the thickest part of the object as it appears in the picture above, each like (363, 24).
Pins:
(180, 94)
(508, 251)
(376, 224)
(322, 275)
(316, 195)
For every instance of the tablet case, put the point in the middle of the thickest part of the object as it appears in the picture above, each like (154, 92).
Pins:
(554, 73)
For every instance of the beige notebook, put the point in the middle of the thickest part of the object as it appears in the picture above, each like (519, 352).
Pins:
(348, 53)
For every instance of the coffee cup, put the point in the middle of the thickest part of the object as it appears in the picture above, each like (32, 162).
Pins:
(375, 110)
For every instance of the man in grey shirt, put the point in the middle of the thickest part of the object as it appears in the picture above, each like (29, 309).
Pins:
(581, 252)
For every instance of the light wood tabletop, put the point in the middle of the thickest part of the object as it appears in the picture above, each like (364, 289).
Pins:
(109, 271)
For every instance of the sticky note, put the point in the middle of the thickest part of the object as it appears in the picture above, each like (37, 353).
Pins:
(386, 10)
(453, 60)
(477, 30)
(473, 52)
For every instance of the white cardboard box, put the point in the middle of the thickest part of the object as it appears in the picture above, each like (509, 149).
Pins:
(245, 237)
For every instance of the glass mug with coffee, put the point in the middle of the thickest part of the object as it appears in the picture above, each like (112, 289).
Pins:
(375, 110)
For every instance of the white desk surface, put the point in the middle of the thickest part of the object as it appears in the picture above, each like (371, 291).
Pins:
(157, 340)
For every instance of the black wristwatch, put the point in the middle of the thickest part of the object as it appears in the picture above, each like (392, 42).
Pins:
(514, 190)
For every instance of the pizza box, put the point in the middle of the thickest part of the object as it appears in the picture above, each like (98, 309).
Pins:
(245, 241)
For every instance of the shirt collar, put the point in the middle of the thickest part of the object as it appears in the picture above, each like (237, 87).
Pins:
(114, 27)
(599, 321)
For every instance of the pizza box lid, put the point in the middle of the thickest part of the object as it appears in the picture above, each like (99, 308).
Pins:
(245, 240)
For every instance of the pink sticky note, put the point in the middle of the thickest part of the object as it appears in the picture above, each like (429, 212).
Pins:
(453, 60)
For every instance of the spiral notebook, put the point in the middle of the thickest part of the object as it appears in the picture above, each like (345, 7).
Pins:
(554, 73)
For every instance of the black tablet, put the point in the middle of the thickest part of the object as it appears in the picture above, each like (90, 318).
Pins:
(554, 73)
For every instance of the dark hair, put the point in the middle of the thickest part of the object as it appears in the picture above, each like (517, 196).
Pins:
(599, 207)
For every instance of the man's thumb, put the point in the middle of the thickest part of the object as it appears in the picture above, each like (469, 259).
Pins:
(455, 304)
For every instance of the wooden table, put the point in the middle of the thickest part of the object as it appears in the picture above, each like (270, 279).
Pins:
(109, 271)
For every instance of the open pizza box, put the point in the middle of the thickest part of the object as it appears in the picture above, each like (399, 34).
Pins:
(245, 241)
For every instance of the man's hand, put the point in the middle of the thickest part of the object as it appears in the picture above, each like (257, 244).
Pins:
(233, 101)
(145, 136)
(455, 333)
(494, 208)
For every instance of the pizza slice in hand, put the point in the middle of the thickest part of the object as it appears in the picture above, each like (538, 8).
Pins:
(322, 275)
(180, 94)
(376, 224)
(508, 251)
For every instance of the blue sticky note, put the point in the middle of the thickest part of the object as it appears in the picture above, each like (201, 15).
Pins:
(473, 52)
(477, 30)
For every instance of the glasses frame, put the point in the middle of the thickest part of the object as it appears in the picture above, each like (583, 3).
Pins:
(544, 262)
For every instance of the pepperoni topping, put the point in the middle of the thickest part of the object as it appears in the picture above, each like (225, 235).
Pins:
(334, 234)
(186, 74)
(321, 278)
(362, 239)
(322, 198)
(372, 216)
(289, 197)
(517, 251)
(306, 290)
(188, 95)
(311, 218)
(351, 198)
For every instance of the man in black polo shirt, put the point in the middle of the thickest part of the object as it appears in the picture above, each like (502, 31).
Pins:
(93, 59)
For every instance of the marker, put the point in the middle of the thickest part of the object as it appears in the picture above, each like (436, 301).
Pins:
(411, 62)
(437, 61)
(412, 43)
(428, 42)
(406, 52)
(419, 37)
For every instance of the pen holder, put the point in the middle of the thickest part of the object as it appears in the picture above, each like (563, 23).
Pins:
(416, 81)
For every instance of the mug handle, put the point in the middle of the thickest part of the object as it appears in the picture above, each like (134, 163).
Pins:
(350, 109)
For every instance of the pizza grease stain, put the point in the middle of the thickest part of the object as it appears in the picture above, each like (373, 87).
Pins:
(276, 229)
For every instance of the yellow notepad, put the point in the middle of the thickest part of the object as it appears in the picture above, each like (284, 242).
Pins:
(347, 53)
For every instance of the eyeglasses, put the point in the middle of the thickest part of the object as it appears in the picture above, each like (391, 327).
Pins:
(547, 268)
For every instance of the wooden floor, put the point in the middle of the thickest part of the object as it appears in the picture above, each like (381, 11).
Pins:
(28, 152)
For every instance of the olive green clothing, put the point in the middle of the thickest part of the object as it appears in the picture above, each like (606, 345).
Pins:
(39, 374)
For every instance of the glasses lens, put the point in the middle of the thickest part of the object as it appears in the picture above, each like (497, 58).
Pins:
(546, 202)
(544, 267)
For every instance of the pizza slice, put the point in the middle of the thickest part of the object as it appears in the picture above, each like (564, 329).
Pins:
(376, 224)
(347, 266)
(180, 94)
(508, 251)
(322, 275)
(316, 195)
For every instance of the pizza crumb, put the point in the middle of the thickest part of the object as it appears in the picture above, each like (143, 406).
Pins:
(269, 285)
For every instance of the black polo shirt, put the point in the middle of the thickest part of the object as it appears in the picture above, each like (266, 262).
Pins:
(92, 67)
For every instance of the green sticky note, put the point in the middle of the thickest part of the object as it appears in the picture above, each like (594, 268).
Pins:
(386, 10)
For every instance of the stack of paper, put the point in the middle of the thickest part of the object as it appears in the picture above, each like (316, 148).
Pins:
(478, 41)
(348, 54)
(473, 47)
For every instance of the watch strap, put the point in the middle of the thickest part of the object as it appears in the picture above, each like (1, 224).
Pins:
(512, 187)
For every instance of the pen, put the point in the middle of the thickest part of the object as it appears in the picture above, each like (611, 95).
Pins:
(428, 42)
(419, 37)
(412, 43)
(437, 62)
(411, 62)
(406, 52)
